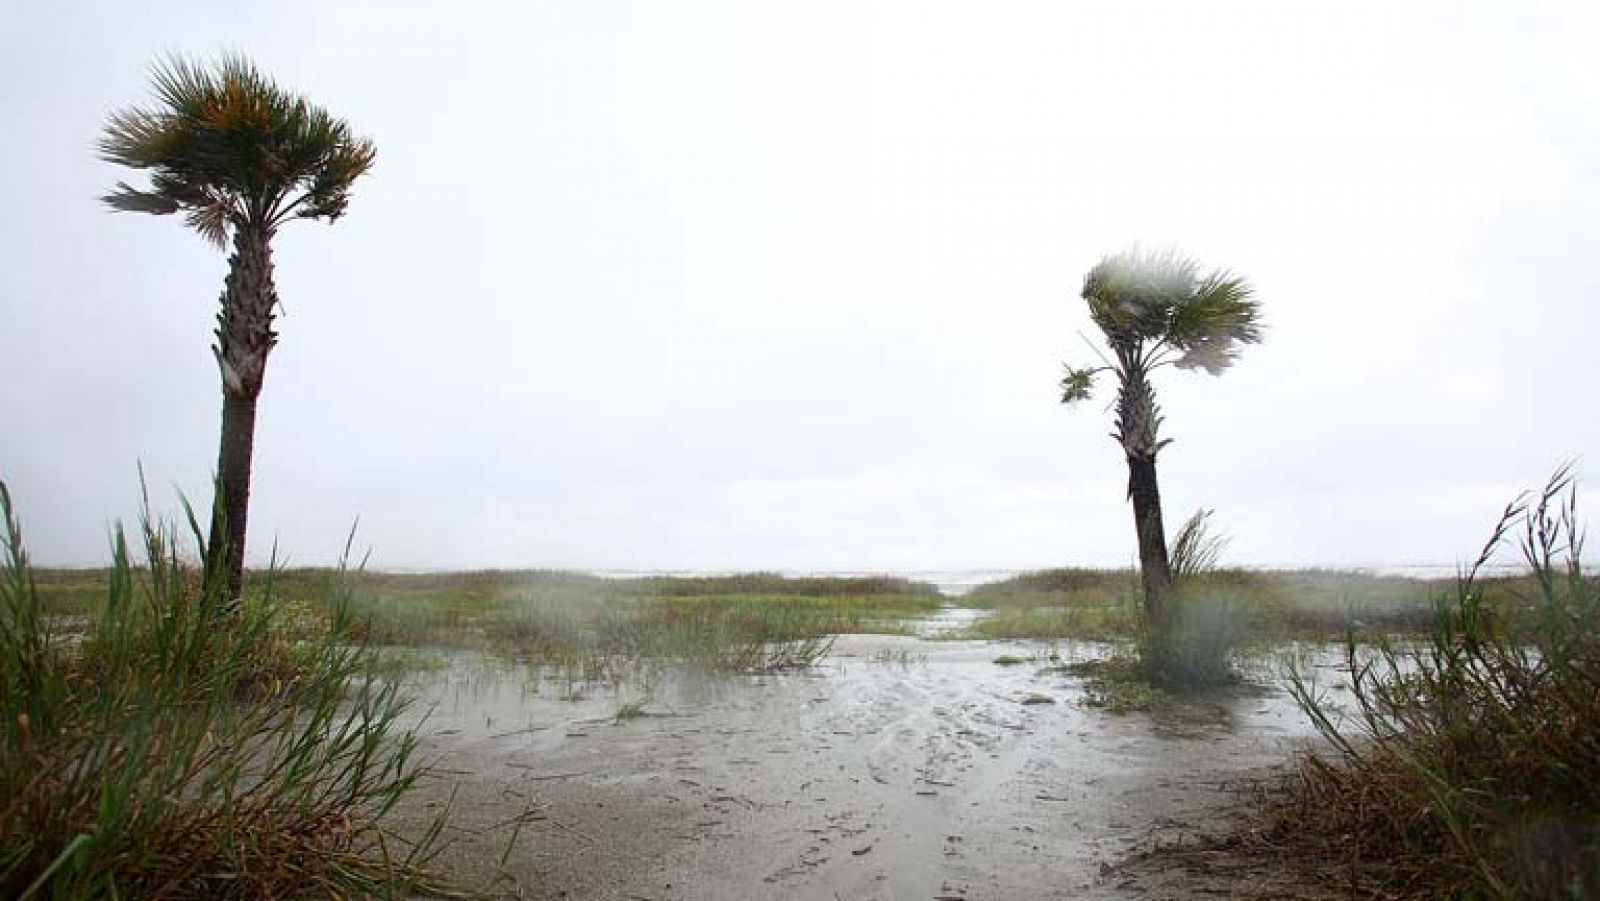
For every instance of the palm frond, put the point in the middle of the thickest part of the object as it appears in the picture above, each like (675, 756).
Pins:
(213, 222)
(1213, 354)
(1196, 548)
(1220, 306)
(1077, 384)
(136, 138)
(132, 200)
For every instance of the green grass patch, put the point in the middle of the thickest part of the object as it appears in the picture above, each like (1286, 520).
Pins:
(186, 747)
(1045, 623)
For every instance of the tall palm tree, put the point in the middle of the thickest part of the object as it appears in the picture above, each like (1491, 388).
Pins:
(1155, 308)
(238, 156)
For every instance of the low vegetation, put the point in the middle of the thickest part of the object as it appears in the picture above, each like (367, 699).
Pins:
(1271, 604)
(177, 746)
(1463, 763)
(566, 619)
(743, 623)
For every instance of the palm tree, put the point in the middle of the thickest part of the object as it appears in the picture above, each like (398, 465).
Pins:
(1155, 309)
(238, 156)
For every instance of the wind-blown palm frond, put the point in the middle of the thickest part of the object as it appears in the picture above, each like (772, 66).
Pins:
(1223, 302)
(129, 199)
(1156, 308)
(231, 149)
(1132, 295)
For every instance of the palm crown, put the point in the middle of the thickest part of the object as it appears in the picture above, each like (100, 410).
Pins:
(1156, 308)
(232, 150)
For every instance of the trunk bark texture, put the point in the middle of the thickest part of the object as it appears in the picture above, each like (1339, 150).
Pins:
(1138, 431)
(1154, 569)
(244, 339)
(231, 510)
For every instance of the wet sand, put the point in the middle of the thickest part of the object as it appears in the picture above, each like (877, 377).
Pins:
(899, 769)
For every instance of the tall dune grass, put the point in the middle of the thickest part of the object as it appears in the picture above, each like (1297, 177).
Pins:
(184, 748)
(1467, 763)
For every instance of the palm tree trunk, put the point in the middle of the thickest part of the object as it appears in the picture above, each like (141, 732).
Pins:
(232, 502)
(244, 339)
(1155, 571)
(1138, 431)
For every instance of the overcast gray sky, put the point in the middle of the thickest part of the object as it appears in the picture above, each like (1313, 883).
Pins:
(789, 285)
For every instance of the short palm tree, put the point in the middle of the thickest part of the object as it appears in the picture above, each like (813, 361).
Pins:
(239, 157)
(1156, 308)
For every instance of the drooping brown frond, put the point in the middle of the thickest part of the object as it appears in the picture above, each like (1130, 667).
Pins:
(211, 221)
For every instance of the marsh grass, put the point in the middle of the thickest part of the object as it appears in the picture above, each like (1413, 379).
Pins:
(188, 748)
(574, 621)
(1087, 623)
(1466, 763)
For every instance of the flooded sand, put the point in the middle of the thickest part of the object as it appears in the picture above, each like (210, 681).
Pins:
(898, 769)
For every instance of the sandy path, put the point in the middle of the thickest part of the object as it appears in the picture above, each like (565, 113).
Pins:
(901, 769)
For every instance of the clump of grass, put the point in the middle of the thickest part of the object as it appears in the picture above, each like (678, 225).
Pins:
(1194, 647)
(744, 635)
(630, 710)
(1089, 623)
(185, 748)
(1009, 660)
(1117, 684)
(1467, 763)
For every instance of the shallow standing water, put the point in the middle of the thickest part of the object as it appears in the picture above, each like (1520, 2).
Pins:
(900, 768)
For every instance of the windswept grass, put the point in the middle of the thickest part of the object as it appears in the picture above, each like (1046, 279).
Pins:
(1467, 763)
(184, 748)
